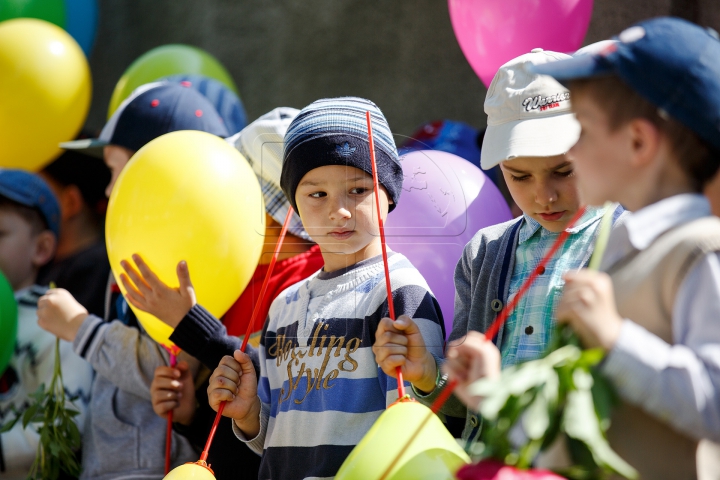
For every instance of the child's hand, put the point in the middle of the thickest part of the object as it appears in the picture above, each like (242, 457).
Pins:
(400, 343)
(469, 359)
(173, 389)
(60, 314)
(149, 294)
(234, 382)
(588, 306)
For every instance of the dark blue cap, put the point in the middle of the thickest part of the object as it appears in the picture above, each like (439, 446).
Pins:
(226, 102)
(31, 191)
(153, 110)
(672, 63)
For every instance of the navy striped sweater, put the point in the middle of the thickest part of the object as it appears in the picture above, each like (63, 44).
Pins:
(320, 387)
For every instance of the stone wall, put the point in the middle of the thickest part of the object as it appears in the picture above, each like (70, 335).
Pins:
(401, 54)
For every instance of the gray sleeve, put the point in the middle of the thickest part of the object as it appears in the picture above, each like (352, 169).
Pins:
(122, 354)
(463, 292)
(680, 383)
(256, 444)
(463, 296)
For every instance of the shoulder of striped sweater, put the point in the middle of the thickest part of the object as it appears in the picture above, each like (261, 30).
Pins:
(289, 295)
(402, 269)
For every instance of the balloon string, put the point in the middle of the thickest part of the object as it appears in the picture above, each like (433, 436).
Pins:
(492, 331)
(168, 431)
(376, 189)
(253, 321)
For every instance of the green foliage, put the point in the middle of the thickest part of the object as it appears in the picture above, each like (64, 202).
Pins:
(49, 414)
(526, 409)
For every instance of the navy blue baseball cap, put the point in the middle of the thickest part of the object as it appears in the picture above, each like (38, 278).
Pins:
(153, 110)
(226, 102)
(31, 191)
(672, 63)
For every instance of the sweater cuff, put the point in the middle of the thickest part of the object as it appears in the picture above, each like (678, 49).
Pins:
(440, 381)
(88, 336)
(256, 444)
(195, 329)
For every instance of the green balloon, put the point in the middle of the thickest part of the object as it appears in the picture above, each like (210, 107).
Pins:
(165, 61)
(52, 11)
(8, 323)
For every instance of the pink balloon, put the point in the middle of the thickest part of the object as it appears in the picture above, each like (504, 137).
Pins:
(493, 32)
(445, 201)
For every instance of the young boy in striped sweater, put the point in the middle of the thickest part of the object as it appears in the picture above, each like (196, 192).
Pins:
(320, 388)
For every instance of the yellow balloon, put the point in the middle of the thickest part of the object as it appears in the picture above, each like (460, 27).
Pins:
(432, 454)
(45, 90)
(190, 471)
(188, 195)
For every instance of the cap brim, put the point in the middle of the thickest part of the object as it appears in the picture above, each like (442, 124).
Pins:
(537, 137)
(582, 66)
(88, 146)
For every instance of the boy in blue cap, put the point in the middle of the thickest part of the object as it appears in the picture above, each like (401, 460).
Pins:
(649, 108)
(29, 227)
(124, 438)
(320, 387)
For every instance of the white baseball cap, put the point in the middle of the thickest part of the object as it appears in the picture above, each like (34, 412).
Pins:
(528, 114)
(261, 143)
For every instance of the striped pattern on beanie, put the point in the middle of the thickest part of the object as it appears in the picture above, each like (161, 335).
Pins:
(333, 131)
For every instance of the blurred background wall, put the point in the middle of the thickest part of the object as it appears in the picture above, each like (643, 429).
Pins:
(403, 55)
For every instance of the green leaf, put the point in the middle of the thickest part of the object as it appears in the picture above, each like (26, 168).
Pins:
(604, 399)
(29, 415)
(581, 423)
(590, 358)
(6, 427)
(536, 419)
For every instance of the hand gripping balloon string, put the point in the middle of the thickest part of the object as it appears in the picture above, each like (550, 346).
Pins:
(253, 321)
(492, 331)
(376, 189)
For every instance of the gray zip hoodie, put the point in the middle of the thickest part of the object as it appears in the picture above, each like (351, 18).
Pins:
(123, 437)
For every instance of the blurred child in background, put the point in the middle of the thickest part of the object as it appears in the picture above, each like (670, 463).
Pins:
(29, 227)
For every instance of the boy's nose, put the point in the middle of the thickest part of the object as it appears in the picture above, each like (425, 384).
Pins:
(545, 195)
(338, 210)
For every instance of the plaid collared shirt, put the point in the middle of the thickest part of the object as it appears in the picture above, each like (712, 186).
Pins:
(530, 325)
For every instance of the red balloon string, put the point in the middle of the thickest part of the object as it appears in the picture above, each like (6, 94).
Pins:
(376, 189)
(253, 321)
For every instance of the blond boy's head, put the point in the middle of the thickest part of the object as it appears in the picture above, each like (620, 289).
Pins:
(649, 107)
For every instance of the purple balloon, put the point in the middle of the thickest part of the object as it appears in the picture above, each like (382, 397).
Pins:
(445, 201)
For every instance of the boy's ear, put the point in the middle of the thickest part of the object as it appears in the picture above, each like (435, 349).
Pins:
(645, 141)
(71, 202)
(45, 244)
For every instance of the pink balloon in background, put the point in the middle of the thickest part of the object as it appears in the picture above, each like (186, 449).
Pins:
(445, 201)
(493, 32)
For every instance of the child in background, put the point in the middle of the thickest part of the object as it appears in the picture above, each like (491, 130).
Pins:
(81, 264)
(530, 129)
(649, 107)
(124, 438)
(320, 388)
(201, 335)
(29, 227)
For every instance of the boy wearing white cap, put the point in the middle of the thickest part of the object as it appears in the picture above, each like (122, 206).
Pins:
(530, 129)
